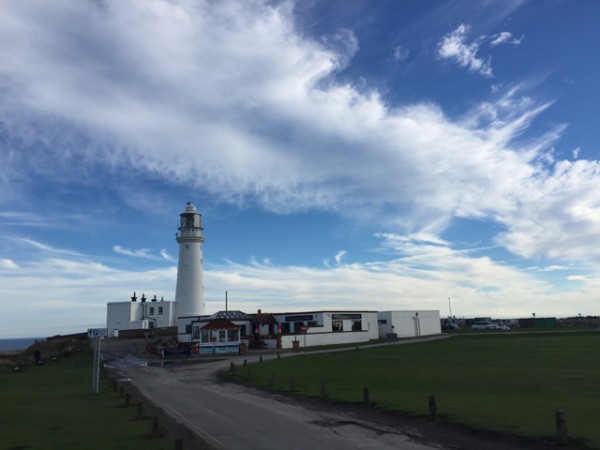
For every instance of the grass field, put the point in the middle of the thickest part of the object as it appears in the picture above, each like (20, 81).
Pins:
(506, 383)
(53, 407)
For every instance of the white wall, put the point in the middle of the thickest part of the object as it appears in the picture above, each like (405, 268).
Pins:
(136, 315)
(325, 338)
(409, 323)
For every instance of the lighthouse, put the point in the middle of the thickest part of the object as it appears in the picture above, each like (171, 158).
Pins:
(189, 293)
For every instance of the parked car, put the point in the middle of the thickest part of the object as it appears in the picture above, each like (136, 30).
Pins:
(480, 326)
(503, 327)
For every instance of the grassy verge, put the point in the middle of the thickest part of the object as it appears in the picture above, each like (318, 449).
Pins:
(52, 407)
(507, 383)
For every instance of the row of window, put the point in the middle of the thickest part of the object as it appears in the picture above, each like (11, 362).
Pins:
(151, 311)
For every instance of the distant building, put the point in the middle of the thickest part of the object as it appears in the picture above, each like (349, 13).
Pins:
(143, 314)
(405, 324)
(227, 331)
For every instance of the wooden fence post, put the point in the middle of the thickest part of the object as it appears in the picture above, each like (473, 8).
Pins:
(278, 355)
(366, 396)
(155, 431)
(432, 408)
(260, 358)
(245, 362)
(561, 428)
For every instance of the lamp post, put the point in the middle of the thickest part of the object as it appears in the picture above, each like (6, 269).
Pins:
(450, 306)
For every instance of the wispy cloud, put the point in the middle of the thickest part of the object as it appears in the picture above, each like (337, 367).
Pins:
(339, 255)
(400, 53)
(139, 253)
(455, 46)
(505, 37)
(166, 255)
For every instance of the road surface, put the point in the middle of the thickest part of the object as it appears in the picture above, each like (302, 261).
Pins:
(232, 416)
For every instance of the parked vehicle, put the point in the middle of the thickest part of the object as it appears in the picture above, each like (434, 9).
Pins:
(480, 326)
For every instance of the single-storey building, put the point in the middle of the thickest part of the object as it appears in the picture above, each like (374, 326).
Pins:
(403, 324)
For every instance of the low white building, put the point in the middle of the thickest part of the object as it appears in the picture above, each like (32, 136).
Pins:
(403, 324)
(312, 328)
(277, 330)
(144, 314)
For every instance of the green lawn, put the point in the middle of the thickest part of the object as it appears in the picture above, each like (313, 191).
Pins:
(53, 407)
(507, 383)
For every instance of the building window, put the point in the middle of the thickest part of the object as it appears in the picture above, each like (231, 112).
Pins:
(205, 336)
(337, 325)
(285, 328)
(188, 329)
(232, 335)
(152, 310)
(222, 335)
(243, 330)
(357, 325)
(160, 310)
(382, 322)
(195, 333)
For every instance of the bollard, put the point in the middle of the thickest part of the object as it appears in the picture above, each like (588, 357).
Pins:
(127, 400)
(140, 411)
(179, 444)
(245, 362)
(323, 395)
(366, 396)
(232, 368)
(561, 428)
(260, 358)
(291, 384)
(432, 408)
(278, 355)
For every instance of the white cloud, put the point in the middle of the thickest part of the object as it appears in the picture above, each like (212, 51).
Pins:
(250, 110)
(166, 255)
(505, 37)
(139, 253)
(455, 46)
(8, 264)
(339, 256)
(400, 53)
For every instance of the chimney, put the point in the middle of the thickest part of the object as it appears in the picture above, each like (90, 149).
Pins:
(259, 311)
(134, 298)
(154, 299)
(143, 298)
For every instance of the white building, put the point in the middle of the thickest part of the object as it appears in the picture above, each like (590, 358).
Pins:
(404, 324)
(136, 315)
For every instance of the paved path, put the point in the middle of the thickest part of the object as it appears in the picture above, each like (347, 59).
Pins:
(231, 416)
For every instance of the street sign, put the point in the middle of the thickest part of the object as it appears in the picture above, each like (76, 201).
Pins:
(97, 333)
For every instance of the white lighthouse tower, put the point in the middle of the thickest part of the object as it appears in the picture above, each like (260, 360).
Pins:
(189, 293)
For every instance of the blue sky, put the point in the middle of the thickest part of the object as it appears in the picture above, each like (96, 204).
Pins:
(344, 154)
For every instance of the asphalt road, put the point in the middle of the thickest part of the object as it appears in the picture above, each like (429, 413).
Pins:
(231, 416)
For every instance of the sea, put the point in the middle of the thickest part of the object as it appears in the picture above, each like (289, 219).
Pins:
(7, 345)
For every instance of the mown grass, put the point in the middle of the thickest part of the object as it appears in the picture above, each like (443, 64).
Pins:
(53, 407)
(506, 383)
